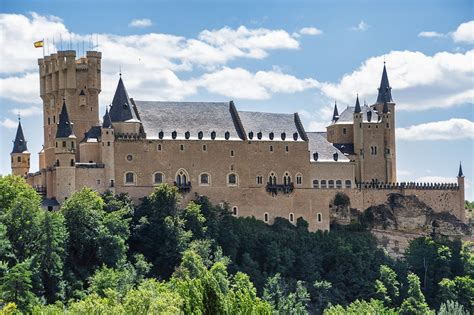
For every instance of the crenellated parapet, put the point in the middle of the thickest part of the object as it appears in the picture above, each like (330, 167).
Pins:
(408, 185)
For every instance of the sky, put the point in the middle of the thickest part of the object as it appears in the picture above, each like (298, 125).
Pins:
(277, 56)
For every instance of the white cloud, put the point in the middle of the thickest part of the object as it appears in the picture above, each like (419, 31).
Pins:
(451, 129)
(464, 33)
(419, 81)
(310, 31)
(242, 84)
(26, 112)
(362, 26)
(21, 88)
(8, 123)
(140, 23)
(430, 34)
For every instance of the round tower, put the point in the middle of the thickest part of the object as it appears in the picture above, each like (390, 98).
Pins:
(20, 157)
(108, 151)
(462, 214)
(359, 141)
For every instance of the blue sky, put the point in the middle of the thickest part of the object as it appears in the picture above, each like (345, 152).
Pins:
(281, 56)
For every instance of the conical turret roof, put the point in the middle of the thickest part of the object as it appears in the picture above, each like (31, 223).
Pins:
(357, 106)
(121, 109)
(107, 122)
(385, 91)
(19, 145)
(64, 125)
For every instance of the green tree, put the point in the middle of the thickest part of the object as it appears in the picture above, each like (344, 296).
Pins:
(361, 307)
(460, 289)
(284, 301)
(16, 286)
(415, 303)
(452, 308)
(14, 188)
(387, 286)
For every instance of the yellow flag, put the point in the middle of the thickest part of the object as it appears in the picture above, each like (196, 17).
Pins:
(39, 44)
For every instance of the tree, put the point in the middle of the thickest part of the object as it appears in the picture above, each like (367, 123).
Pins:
(16, 286)
(361, 307)
(284, 301)
(415, 303)
(460, 290)
(322, 296)
(387, 286)
(452, 308)
(14, 188)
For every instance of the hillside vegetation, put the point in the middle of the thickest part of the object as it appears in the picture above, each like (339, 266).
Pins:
(101, 255)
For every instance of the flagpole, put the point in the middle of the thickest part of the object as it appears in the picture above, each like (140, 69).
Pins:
(43, 47)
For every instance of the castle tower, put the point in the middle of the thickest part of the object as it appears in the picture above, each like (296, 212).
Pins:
(123, 113)
(359, 141)
(20, 157)
(65, 154)
(76, 81)
(461, 215)
(107, 150)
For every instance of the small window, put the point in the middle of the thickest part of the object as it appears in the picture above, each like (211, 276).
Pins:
(129, 157)
(388, 125)
(72, 162)
(112, 183)
(64, 144)
(315, 183)
(181, 147)
(271, 148)
(204, 147)
(287, 149)
(159, 147)
(98, 182)
(320, 217)
(54, 119)
(56, 144)
(299, 179)
(158, 178)
(235, 211)
(265, 217)
(291, 217)
(108, 143)
(323, 184)
(348, 184)
(231, 152)
(259, 180)
(330, 183)
(287, 179)
(232, 179)
(106, 132)
(272, 179)
(57, 162)
(129, 178)
(338, 184)
(344, 130)
(204, 179)
(49, 121)
(18, 159)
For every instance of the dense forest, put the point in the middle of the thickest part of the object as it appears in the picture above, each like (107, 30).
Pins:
(99, 254)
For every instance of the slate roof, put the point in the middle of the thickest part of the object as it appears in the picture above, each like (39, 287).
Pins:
(93, 135)
(106, 122)
(347, 116)
(318, 143)
(19, 144)
(64, 129)
(270, 122)
(460, 174)
(346, 148)
(385, 91)
(49, 202)
(187, 116)
(122, 108)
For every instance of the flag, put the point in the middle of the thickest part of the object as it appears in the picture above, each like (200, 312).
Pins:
(39, 44)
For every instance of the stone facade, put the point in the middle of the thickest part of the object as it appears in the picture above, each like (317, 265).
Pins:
(260, 164)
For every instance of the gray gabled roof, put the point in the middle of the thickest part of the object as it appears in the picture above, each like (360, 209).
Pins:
(347, 116)
(64, 129)
(122, 108)
(266, 123)
(182, 117)
(19, 145)
(319, 144)
(385, 93)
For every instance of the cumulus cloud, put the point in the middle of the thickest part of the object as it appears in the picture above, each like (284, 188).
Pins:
(27, 111)
(310, 31)
(242, 84)
(464, 33)
(8, 123)
(430, 34)
(419, 81)
(451, 129)
(140, 23)
(362, 26)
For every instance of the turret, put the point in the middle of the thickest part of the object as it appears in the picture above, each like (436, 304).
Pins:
(108, 150)
(335, 115)
(65, 147)
(462, 214)
(20, 157)
(385, 91)
(123, 113)
(359, 140)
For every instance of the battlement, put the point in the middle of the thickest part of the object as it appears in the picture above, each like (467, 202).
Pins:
(408, 185)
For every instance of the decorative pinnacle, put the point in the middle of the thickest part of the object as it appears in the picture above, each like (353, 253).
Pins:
(460, 174)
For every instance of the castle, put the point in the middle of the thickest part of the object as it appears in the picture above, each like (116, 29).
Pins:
(260, 164)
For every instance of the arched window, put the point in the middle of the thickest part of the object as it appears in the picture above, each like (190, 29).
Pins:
(204, 179)
(130, 178)
(286, 178)
(235, 211)
(330, 183)
(232, 179)
(315, 183)
(272, 178)
(299, 179)
(291, 217)
(348, 184)
(266, 217)
(158, 178)
(319, 217)
(323, 184)
(338, 184)
(182, 177)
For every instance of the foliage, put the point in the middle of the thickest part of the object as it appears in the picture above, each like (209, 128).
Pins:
(387, 286)
(16, 286)
(285, 302)
(341, 199)
(415, 302)
(452, 308)
(361, 307)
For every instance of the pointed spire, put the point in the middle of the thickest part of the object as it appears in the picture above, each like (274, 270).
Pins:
(121, 109)
(64, 125)
(385, 108)
(357, 107)
(19, 145)
(107, 122)
(385, 91)
(335, 115)
(460, 174)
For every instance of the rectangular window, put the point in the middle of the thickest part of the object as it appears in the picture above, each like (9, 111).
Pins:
(287, 149)
(271, 148)
(299, 180)
(159, 147)
(231, 152)
(323, 184)
(64, 144)
(181, 147)
(315, 183)
(259, 180)
(204, 147)
(344, 130)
